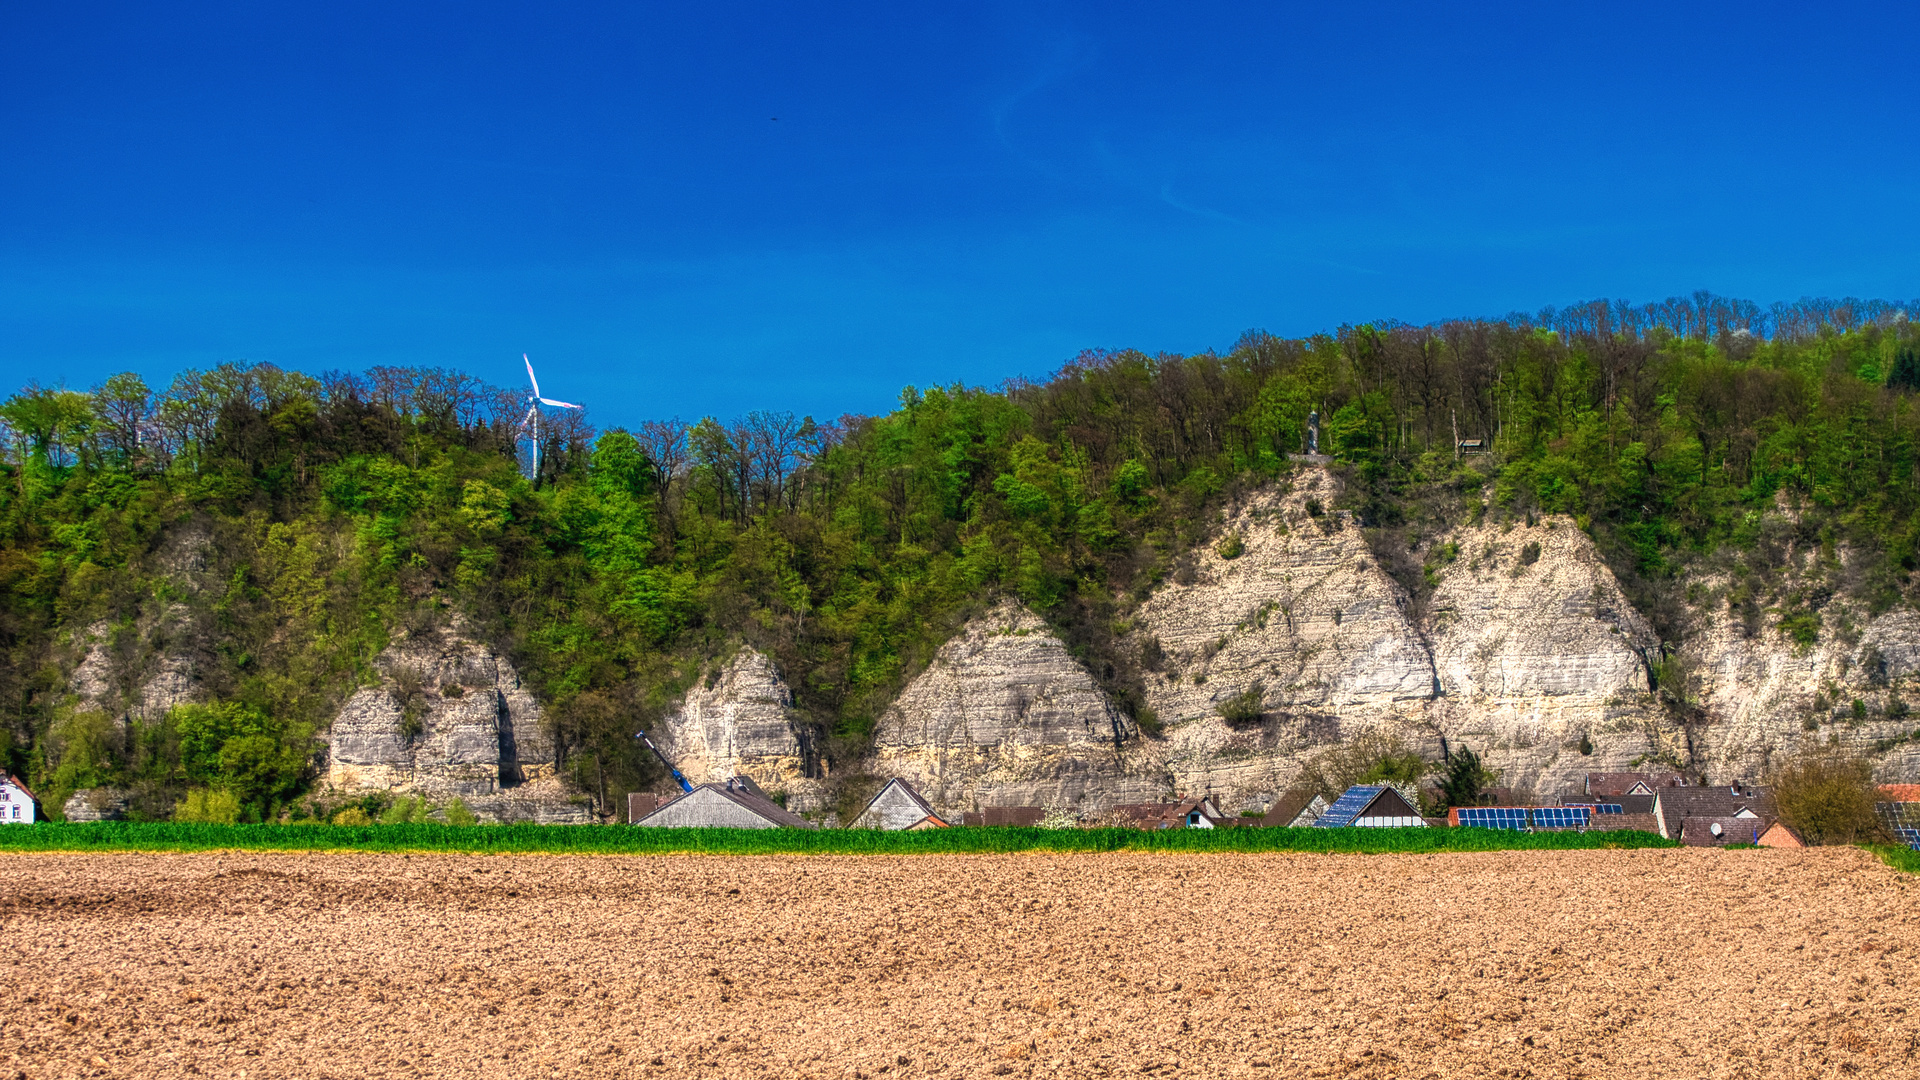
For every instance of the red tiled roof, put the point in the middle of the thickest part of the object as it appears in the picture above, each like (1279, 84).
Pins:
(1900, 792)
(15, 781)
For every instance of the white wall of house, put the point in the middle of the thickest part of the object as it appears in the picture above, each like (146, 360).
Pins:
(16, 808)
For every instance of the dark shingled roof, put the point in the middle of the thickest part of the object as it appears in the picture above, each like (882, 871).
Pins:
(745, 793)
(1286, 808)
(1698, 831)
(1004, 815)
(1679, 803)
(1623, 822)
(1619, 783)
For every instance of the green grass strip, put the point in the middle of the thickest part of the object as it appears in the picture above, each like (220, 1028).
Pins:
(626, 840)
(1900, 858)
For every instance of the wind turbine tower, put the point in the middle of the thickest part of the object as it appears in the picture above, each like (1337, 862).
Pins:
(531, 422)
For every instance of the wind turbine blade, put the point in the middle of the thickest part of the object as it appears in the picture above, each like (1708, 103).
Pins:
(530, 378)
(557, 404)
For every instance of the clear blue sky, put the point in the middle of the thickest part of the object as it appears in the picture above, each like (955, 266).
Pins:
(950, 192)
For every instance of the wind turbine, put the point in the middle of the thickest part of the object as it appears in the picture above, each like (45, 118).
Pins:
(531, 422)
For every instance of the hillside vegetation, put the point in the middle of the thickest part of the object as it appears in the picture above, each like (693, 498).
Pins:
(1693, 436)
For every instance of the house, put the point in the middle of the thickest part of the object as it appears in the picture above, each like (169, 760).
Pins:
(1295, 810)
(1709, 830)
(1624, 823)
(731, 804)
(1371, 806)
(1779, 835)
(1900, 812)
(17, 804)
(1194, 812)
(1004, 816)
(1607, 785)
(898, 808)
(1676, 804)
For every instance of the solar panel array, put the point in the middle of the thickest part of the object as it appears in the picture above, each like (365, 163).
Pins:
(1521, 817)
(1899, 815)
(1560, 817)
(1911, 837)
(1494, 817)
(1601, 808)
(1348, 806)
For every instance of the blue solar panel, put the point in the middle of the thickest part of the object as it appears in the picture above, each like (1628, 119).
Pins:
(1348, 806)
(1609, 808)
(1493, 817)
(1560, 817)
(1911, 836)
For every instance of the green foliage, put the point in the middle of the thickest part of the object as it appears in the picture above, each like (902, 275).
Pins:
(1244, 707)
(1827, 795)
(206, 806)
(613, 839)
(406, 810)
(333, 514)
(458, 813)
(1465, 778)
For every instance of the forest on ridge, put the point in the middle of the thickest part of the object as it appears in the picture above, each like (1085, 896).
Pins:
(1694, 434)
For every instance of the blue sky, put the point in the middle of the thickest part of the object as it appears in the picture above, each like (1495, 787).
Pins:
(949, 193)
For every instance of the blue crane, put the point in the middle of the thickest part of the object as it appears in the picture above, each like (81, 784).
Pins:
(681, 780)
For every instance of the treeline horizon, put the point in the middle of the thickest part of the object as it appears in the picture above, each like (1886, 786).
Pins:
(343, 509)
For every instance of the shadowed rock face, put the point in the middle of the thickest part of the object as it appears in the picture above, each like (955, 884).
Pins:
(448, 718)
(738, 720)
(1004, 716)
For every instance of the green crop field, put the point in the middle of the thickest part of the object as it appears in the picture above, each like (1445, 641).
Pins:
(626, 840)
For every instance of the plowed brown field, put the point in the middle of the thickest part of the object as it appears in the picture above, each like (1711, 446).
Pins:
(1595, 963)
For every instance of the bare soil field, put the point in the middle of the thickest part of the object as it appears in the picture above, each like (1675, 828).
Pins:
(1551, 964)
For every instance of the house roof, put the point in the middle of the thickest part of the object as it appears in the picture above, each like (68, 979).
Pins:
(1288, 807)
(1619, 783)
(15, 781)
(1160, 815)
(1676, 804)
(1366, 800)
(1698, 831)
(899, 786)
(744, 794)
(1780, 834)
(1004, 816)
(1623, 822)
(1900, 792)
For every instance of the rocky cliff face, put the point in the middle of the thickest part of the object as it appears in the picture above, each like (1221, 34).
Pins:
(738, 720)
(1290, 615)
(449, 719)
(145, 667)
(1004, 716)
(1286, 638)
(1758, 695)
(1543, 665)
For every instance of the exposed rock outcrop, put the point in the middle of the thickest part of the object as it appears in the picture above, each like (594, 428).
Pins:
(142, 669)
(1542, 662)
(1291, 609)
(96, 804)
(1005, 716)
(738, 720)
(450, 718)
(1761, 695)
